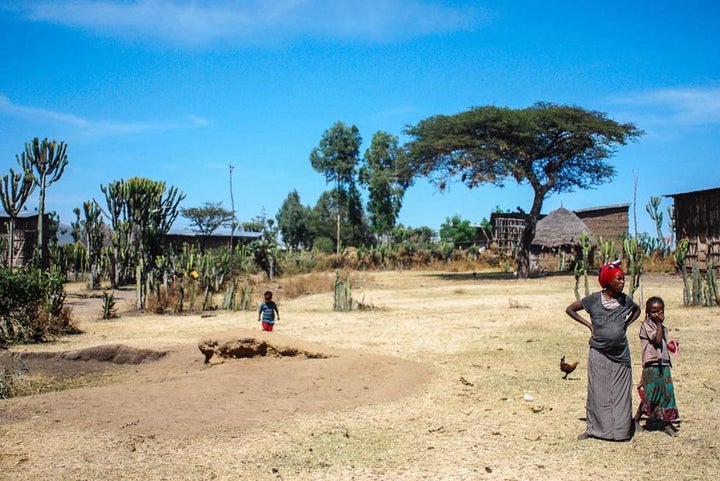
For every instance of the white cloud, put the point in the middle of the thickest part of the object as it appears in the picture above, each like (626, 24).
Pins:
(188, 22)
(93, 128)
(674, 106)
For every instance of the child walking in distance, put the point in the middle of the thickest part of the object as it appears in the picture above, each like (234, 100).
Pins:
(268, 312)
(658, 392)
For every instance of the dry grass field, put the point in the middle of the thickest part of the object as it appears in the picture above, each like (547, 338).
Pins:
(448, 376)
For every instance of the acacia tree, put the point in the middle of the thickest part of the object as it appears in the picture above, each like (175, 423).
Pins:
(207, 219)
(48, 160)
(337, 156)
(292, 222)
(553, 148)
(387, 177)
(15, 189)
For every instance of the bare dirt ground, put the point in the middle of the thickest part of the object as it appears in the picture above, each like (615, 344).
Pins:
(449, 376)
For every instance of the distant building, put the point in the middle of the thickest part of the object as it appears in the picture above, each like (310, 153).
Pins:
(697, 218)
(606, 222)
(507, 230)
(25, 238)
(557, 244)
(216, 240)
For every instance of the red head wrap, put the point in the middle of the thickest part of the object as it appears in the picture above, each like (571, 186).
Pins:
(608, 272)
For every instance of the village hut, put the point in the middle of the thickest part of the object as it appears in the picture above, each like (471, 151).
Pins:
(697, 219)
(557, 243)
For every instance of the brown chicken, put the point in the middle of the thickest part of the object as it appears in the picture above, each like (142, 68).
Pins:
(567, 367)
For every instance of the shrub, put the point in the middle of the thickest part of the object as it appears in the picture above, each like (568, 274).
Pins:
(32, 306)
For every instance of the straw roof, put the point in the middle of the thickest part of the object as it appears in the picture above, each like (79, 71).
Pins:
(560, 227)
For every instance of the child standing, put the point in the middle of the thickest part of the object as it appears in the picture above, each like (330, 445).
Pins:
(657, 384)
(268, 312)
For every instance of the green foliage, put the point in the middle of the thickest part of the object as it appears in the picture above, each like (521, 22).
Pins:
(207, 219)
(711, 290)
(413, 237)
(681, 251)
(141, 212)
(264, 250)
(607, 250)
(653, 210)
(634, 256)
(32, 306)
(457, 232)
(698, 289)
(337, 157)
(109, 308)
(47, 159)
(293, 220)
(554, 148)
(323, 221)
(91, 229)
(386, 174)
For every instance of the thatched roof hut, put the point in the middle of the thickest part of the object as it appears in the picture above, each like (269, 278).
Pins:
(559, 228)
(556, 245)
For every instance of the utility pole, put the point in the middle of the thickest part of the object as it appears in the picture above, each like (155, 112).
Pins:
(232, 207)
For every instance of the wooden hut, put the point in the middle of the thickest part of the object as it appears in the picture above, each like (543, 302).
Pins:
(25, 238)
(608, 222)
(507, 230)
(697, 218)
(556, 244)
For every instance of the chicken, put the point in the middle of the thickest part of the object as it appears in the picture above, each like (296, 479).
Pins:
(567, 367)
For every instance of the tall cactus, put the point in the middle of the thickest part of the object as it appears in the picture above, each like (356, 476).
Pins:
(141, 211)
(48, 160)
(607, 249)
(653, 210)
(634, 257)
(681, 251)
(583, 264)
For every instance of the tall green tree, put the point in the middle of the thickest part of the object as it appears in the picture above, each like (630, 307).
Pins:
(457, 231)
(47, 159)
(322, 228)
(386, 175)
(553, 148)
(15, 189)
(292, 222)
(207, 218)
(321, 223)
(337, 157)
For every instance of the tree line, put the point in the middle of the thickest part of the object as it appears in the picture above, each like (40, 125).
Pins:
(552, 148)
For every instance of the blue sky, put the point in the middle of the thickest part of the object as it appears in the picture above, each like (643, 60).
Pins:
(178, 91)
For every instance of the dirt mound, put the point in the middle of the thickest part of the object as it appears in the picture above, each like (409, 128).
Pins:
(80, 361)
(177, 394)
(233, 344)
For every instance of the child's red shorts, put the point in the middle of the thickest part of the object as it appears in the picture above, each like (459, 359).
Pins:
(266, 326)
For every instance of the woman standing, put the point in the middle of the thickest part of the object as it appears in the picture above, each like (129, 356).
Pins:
(609, 399)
